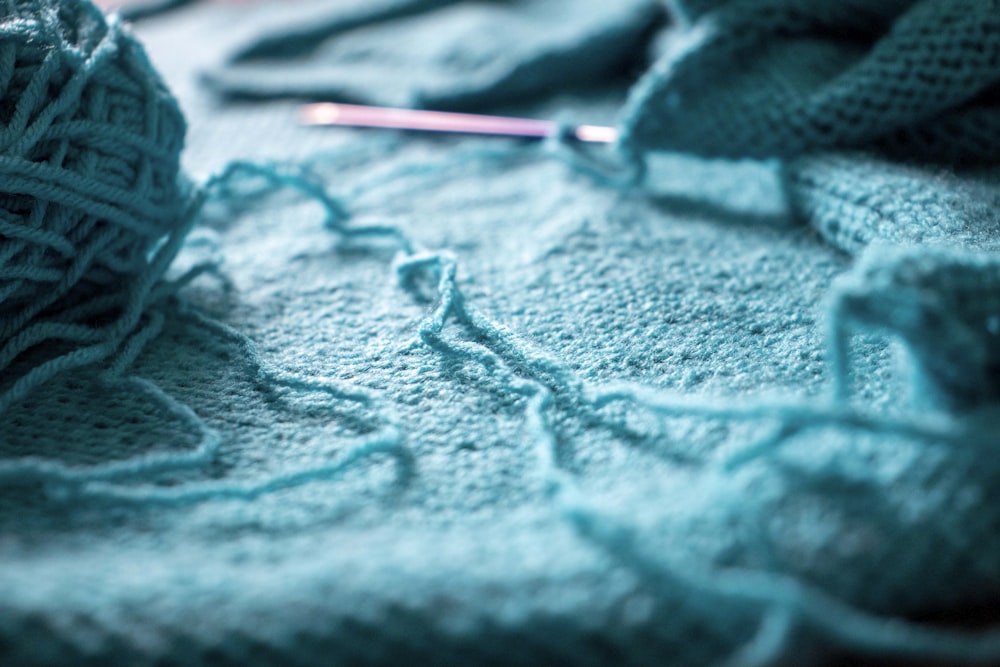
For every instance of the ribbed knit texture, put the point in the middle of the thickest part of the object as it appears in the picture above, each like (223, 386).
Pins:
(455, 401)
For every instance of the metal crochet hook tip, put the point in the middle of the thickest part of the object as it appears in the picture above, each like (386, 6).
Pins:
(355, 115)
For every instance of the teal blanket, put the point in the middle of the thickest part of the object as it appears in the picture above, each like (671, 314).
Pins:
(724, 395)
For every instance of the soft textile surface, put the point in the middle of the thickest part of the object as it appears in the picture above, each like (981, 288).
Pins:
(454, 54)
(780, 77)
(458, 401)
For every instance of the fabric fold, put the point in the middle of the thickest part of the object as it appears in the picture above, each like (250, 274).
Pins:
(785, 77)
(435, 54)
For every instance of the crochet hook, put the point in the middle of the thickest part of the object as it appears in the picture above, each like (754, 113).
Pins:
(355, 115)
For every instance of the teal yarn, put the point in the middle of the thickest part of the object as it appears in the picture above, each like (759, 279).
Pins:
(778, 78)
(92, 204)
(557, 383)
(853, 199)
(943, 303)
(927, 272)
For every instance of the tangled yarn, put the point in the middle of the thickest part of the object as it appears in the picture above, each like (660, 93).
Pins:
(92, 208)
(856, 522)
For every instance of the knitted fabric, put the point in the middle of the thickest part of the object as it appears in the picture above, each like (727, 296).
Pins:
(135, 11)
(456, 55)
(450, 401)
(781, 77)
(89, 156)
(854, 199)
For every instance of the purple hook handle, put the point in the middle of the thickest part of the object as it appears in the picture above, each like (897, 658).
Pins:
(354, 115)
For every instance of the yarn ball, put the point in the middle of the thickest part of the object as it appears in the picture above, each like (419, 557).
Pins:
(90, 186)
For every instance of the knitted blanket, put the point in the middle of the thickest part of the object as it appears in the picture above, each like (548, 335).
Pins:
(724, 396)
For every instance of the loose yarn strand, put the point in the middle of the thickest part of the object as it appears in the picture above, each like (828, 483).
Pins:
(784, 601)
(102, 482)
(104, 221)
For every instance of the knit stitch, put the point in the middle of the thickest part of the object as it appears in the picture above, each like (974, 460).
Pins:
(455, 401)
(784, 77)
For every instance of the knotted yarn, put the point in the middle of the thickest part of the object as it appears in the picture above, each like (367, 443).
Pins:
(92, 202)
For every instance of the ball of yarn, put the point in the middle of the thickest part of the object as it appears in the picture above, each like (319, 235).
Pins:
(90, 186)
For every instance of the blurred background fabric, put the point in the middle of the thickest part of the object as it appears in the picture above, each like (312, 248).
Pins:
(767, 372)
(435, 54)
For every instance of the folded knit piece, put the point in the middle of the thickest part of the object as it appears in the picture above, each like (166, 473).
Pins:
(152, 8)
(783, 77)
(436, 54)
(853, 199)
(912, 83)
(93, 207)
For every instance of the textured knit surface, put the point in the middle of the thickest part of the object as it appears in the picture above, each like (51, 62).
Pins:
(135, 11)
(453, 401)
(789, 76)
